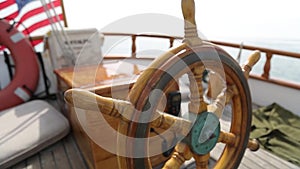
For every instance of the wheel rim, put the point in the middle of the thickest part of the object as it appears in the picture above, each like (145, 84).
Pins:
(241, 118)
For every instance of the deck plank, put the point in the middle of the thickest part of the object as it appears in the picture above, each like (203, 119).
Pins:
(243, 166)
(33, 162)
(249, 163)
(255, 158)
(75, 158)
(20, 165)
(60, 157)
(274, 160)
(47, 159)
(263, 160)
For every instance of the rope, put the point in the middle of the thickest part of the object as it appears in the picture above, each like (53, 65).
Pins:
(59, 33)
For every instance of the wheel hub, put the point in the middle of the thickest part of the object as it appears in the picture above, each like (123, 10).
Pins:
(205, 133)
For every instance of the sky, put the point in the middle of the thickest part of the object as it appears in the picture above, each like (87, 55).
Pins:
(275, 19)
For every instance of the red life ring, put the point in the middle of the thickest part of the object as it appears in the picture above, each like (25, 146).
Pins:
(26, 73)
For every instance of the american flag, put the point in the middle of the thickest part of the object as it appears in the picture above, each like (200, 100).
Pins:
(32, 17)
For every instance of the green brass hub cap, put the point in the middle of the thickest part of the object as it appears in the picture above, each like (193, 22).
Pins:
(205, 133)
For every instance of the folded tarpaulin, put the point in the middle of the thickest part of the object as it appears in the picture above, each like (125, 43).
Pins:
(277, 130)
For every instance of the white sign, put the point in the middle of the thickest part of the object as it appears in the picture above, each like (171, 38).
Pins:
(70, 47)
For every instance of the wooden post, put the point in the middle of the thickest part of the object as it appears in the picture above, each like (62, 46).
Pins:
(133, 47)
(267, 66)
(171, 41)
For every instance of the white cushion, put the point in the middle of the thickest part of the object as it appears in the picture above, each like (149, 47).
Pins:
(28, 128)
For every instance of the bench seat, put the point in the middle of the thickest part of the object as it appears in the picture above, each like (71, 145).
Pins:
(27, 129)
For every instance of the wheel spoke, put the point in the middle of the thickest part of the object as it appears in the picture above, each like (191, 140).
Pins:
(253, 145)
(176, 124)
(122, 109)
(227, 138)
(201, 161)
(230, 139)
(252, 60)
(222, 100)
(218, 105)
(89, 101)
(180, 155)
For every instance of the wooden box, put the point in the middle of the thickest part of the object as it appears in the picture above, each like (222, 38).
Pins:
(87, 125)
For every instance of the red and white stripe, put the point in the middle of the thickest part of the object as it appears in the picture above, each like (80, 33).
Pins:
(32, 19)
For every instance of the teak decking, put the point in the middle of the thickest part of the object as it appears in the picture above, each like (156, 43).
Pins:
(66, 155)
(62, 155)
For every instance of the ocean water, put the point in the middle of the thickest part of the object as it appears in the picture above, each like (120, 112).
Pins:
(283, 68)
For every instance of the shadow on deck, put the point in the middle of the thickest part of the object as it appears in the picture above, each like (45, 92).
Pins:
(61, 155)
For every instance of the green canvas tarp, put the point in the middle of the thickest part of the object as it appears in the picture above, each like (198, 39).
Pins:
(278, 131)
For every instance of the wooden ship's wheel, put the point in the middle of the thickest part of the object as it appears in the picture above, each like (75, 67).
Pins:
(201, 131)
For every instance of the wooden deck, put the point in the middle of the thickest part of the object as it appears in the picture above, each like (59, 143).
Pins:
(260, 159)
(65, 154)
(61, 155)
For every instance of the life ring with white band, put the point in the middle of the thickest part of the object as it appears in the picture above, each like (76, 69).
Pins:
(26, 74)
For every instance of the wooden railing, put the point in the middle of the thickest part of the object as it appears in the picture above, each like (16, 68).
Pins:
(265, 76)
(269, 53)
(134, 37)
